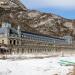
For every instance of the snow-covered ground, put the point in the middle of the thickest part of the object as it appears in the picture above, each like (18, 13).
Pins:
(46, 66)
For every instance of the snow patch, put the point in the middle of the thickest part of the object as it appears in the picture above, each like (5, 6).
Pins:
(46, 66)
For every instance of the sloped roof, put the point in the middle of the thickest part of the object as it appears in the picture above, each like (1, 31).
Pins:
(42, 35)
(3, 30)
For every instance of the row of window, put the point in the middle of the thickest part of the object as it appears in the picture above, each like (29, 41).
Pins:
(42, 38)
(14, 42)
(25, 42)
(27, 50)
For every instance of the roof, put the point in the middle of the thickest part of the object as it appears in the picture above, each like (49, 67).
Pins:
(3, 30)
(43, 35)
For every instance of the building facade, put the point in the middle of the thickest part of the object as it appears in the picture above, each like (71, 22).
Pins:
(22, 42)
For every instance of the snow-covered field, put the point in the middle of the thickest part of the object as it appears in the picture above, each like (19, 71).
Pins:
(46, 66)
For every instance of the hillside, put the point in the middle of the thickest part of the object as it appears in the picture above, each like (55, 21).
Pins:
(34, 21)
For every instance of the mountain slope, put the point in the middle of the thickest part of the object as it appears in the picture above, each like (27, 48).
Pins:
(34, 21)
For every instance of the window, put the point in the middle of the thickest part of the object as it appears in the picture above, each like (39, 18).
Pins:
(2, 41)
(10, 42)
(14, 42)
(22, 50)
(18, 42)
(18, 50)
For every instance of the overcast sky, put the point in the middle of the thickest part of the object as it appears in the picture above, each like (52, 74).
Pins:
(65, 8)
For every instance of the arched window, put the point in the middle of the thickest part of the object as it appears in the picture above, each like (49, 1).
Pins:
(17, 42)
(14, 42)
(10, 42)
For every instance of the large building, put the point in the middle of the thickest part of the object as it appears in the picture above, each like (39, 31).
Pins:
(17, 41)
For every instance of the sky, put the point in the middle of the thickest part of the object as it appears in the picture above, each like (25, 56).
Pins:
(64, 8)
